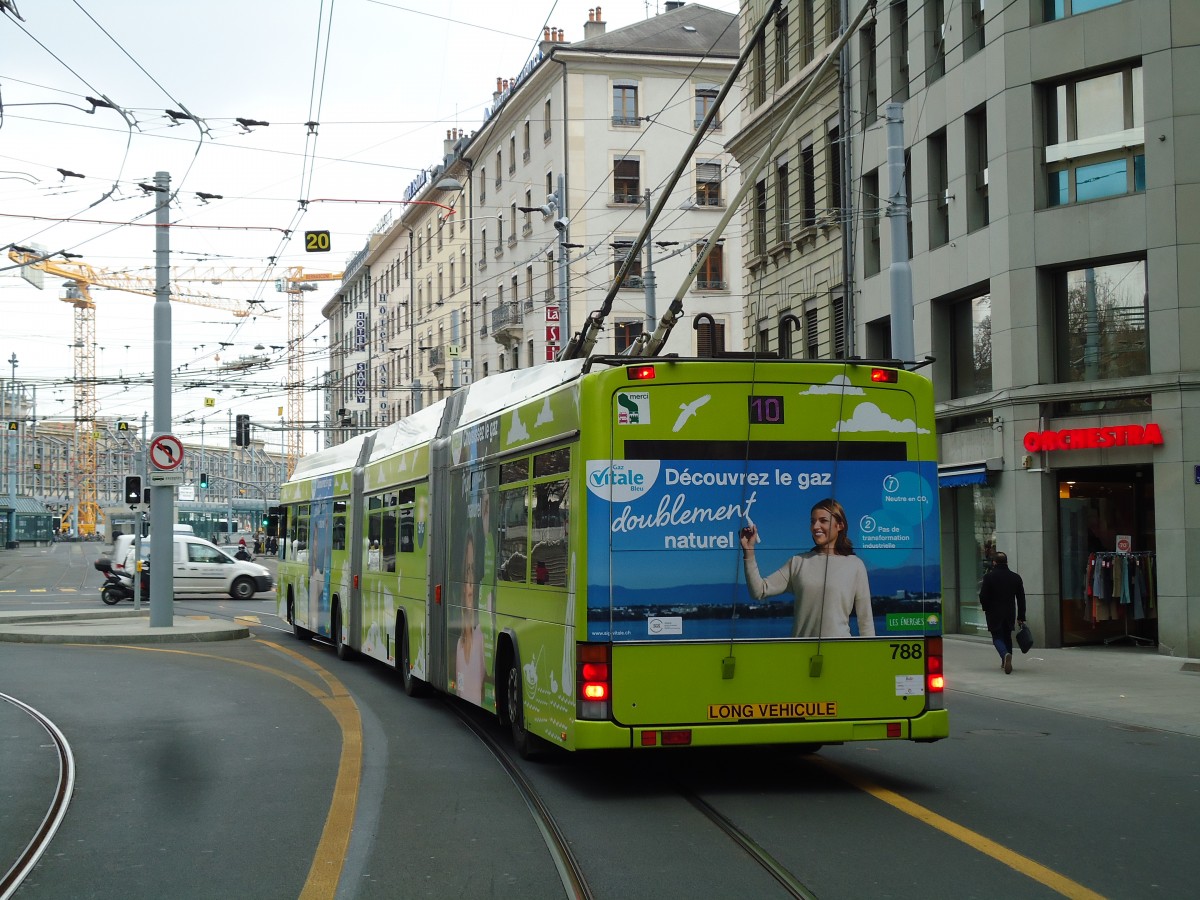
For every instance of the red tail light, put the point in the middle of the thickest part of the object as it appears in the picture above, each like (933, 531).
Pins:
(639, 373)
(884, 376)
(593, 680)
(935, 678)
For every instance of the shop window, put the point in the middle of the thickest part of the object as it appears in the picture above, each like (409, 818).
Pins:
(1101, 322)
(1095, 137)
(1138, 404)
(971, 346)
(974, 508)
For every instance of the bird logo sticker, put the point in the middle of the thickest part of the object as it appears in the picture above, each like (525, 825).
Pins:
(687, 410)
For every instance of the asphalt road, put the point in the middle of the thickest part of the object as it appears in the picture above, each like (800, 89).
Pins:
(226, 770)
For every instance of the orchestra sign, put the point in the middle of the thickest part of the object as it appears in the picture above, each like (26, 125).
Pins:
(1094, 438)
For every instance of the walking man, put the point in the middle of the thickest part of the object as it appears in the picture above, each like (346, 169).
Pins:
(1002, 596)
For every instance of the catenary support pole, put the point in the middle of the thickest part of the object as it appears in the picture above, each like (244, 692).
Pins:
(899, 271)
(162, 496)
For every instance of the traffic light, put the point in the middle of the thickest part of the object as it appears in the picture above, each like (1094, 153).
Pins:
(243, 430)
(133, 489)
(204, 481)
(266, 520)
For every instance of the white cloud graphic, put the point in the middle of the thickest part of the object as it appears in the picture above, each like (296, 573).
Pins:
(517, 431)
(869, 417)
(839, 385)
(546, 415)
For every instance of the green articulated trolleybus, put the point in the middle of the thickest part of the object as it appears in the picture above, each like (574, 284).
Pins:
(642, 553)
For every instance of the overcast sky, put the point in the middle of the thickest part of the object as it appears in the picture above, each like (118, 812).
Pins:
(385, 80)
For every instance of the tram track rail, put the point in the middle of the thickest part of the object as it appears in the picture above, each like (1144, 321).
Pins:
(57, 811)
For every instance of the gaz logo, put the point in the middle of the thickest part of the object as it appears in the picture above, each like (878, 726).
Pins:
(633, 408)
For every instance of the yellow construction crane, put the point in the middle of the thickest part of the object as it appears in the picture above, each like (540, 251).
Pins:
(79, 277)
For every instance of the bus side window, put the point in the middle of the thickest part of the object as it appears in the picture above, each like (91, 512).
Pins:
(512, 564)
(550, 520)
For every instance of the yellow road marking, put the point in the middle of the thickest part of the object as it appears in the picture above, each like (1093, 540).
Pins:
(1023, 864)
(8, 591)
(68, 590)
(37, 590)
(253, 620)
(326, 869)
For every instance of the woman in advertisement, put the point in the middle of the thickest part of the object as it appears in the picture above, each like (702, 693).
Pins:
(468, 657)
(829, 582)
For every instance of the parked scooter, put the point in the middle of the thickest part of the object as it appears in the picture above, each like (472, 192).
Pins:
(117, 586)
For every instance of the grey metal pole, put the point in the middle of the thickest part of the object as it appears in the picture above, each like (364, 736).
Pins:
(229, 481)
(162, 504)
(899, 271)
(648, 275)
(564, 289)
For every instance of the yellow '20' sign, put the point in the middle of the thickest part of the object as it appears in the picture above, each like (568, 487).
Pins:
(316, 241)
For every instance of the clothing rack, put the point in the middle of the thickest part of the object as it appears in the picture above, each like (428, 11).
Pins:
(1101, 555)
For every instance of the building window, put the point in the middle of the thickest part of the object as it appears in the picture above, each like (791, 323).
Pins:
(710, 339)
(525, 141)
(627, 187)
(783, 51)
(900, 73)
(869, 84)
(935, 31)
(546, 121)
(838, 314)
(625, 333)
(783, 206)
(1060, 9)
(1101, 322)
(760, 218)
(762, 337)
(1095, 139)
(974, 38)
(971, 346)
(708, 184)
(633, 278)
(711, 275)
(808, 183)
(833, 165)
(808, 31)
(706, 98)
(812, 337)
(833, 20)
(758, 72)
(625, 105)
(871, 214)
(482, 184)
(499, 163)
(939, 190)
(512, 225)
(978, 207)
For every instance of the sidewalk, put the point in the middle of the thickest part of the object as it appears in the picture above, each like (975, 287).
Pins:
(1130, 685)
(112, 626)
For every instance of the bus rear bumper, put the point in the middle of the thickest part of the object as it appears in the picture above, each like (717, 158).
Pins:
(929, 726)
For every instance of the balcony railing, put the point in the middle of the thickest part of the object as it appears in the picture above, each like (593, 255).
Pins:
(627, 121)
(710, 284)
(626, 198)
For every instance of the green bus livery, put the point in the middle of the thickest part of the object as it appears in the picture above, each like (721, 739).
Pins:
(614, 553)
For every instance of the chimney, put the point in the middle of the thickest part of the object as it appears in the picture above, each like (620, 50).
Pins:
(547, 44)
(594, 27)
(451, 140)
(499, 89)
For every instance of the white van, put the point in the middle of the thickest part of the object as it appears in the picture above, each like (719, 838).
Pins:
(204, 568)
(123, 543)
